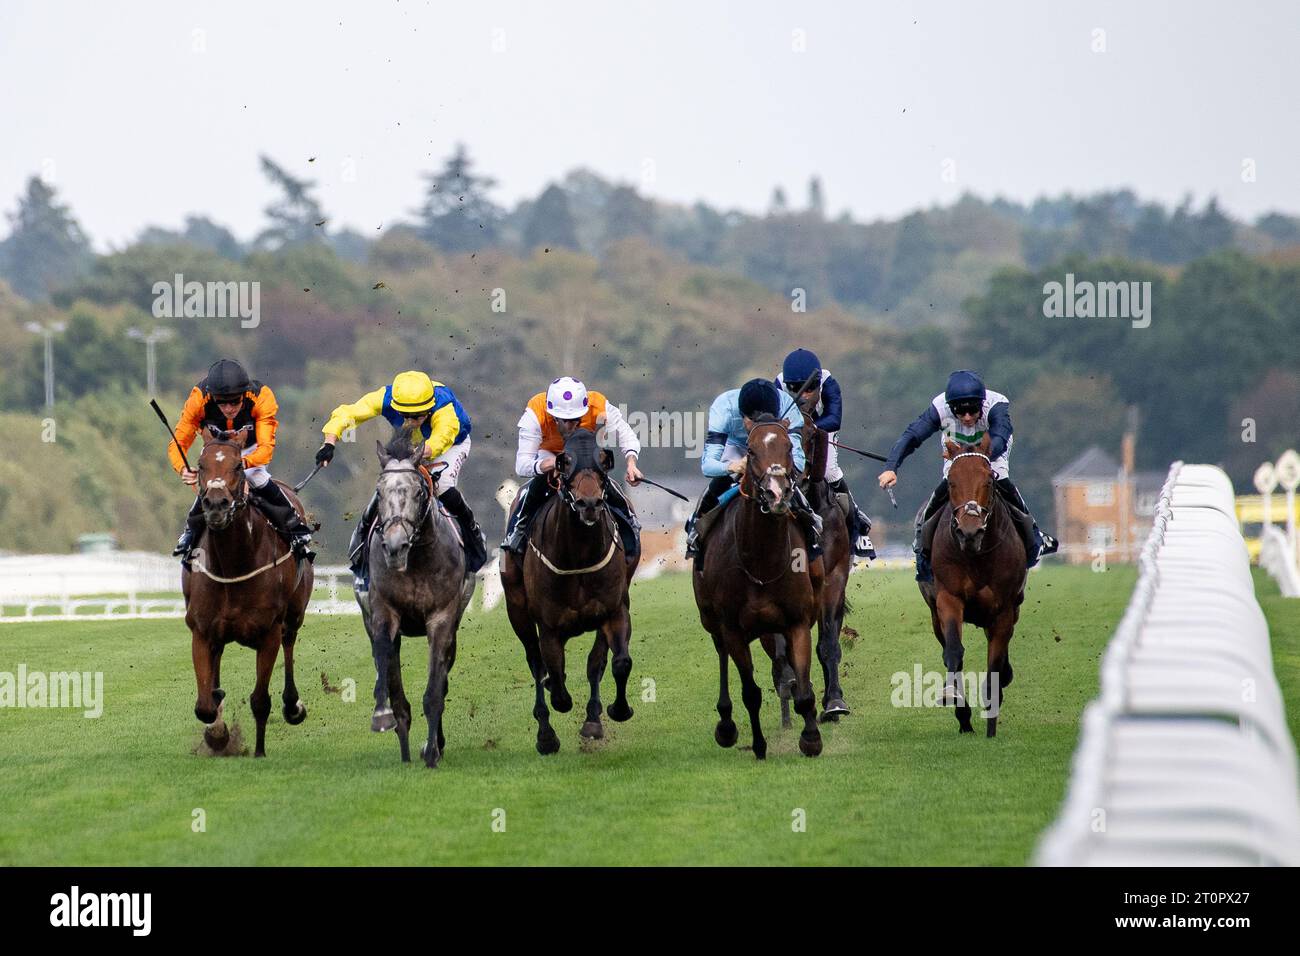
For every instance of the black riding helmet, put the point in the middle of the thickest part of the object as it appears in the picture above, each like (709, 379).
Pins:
(226, 377)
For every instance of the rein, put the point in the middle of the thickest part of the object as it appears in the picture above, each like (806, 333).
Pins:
(558, 483)
(973, 507)
(761, 500)
(239, 502)
(413, 534)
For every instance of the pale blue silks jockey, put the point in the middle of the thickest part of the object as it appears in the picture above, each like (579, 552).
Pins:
(731, 416)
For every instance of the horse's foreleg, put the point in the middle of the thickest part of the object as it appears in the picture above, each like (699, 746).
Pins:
(999, 669)
(383, 630)
(618, 635)
(397, 698)
(799, 649)
(547, 741)
(829, 623)
(207, 707)
(750, 693)
(949, 610)
(260, 700)
(553, 654)
(725, 733)
(442, 636)
(782, 674)
(592, 729)
(294, 710)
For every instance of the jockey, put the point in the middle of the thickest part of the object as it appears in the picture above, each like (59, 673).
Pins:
(818, 394)
(229, 400)
(548, 420)
(964, 413)
(434, 412)
(726, 449)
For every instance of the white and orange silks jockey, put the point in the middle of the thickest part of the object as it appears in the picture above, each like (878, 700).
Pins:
(549, 418)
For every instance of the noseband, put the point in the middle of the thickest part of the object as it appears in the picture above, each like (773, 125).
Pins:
(757, 480)
(564, 488)
(238, 500)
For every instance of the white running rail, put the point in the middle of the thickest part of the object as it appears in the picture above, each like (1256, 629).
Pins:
(1185, 758)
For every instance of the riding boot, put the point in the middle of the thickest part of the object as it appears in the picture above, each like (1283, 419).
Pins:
(924, 572)
(629, 527)
(860, 529)
(188, 538)
(273, 503)
(809, 520)
(1037, 543)
(708, 501)
(475, 543)
(359, 546)
(530, 502)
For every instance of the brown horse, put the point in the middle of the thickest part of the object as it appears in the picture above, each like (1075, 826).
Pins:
(571, 580)
(979, 577)
(755, 580)
(244, 587)
(837, 559)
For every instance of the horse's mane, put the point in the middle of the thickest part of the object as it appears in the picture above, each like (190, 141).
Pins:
(581, 446)
(764, 418)
(400, 445)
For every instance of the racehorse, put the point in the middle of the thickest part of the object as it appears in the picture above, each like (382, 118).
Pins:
(572, 579)
(418, 586)
(837, 559)
(979, 577)
(755, 580)
(242, 586)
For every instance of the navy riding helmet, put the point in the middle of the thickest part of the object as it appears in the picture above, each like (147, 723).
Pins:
(757, 396)
(800, 365)
(964, 384)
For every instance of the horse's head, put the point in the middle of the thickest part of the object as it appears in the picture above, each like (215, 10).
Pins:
(222, 485)
(581, 474)
(769, 467)
(970, 491)
(406, 493)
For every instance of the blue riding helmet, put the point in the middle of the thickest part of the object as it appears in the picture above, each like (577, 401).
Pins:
(800, 365)
(964, 384)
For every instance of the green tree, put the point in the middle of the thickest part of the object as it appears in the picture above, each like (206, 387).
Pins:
(457, 214)
(628, 215)
(550, 224)
(46, 246)
(294, 216)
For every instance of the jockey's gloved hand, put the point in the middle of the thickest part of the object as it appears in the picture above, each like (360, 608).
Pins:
(325, 454)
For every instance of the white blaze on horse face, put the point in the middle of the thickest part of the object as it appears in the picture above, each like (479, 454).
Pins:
(220, 456)
(216, 483)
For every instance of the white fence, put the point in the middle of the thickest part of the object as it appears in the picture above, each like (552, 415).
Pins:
(1185, 758)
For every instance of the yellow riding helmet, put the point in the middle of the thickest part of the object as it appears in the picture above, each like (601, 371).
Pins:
(412, 392)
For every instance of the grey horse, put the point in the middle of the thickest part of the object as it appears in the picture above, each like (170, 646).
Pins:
(418, 585)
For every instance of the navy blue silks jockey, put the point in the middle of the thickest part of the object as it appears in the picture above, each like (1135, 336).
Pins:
(818, 393)
(965, 411)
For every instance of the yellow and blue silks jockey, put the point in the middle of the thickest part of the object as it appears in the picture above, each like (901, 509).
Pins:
(441, 422)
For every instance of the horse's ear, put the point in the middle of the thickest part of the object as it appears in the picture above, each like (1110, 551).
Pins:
(214, 432)
(240, 437)
(950, 449)
(562, 463)
(384, 457)
(985, 443)
(607, 459)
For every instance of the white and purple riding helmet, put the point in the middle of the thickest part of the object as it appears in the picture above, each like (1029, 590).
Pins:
(566, 397)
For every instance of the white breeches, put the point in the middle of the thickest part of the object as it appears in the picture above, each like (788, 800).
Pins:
(833, 470)
(454, 457)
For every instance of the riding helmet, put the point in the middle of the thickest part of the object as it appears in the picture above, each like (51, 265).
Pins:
(800, 365)
(757, 396)
(227, 377)
(412, 393)
(964, 384)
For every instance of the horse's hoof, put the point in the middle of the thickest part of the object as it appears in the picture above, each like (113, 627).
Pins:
(382, 720)
(810, 744)
(218, 695)
(217, 742)
(966, 730)
(760, 750)
(592, 730)
(828, 718)
(431, 758)
(725, 734)
(834, 709)
(547, 743)
(620, 711)
(295, 715)
(991, 727)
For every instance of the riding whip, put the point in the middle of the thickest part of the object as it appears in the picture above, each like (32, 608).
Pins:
(167, 425)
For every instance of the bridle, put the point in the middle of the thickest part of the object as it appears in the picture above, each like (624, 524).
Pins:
(973, 507)
(562, 485)
(759, 481)
(239, 494)
(412, 528)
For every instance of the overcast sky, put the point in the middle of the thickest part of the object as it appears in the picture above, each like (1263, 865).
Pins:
(142, 112)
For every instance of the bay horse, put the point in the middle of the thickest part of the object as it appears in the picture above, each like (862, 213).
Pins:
(243, 586)
(418, 586)
(837, 559)
(978, 559)
(755, 580)
(573, 579)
